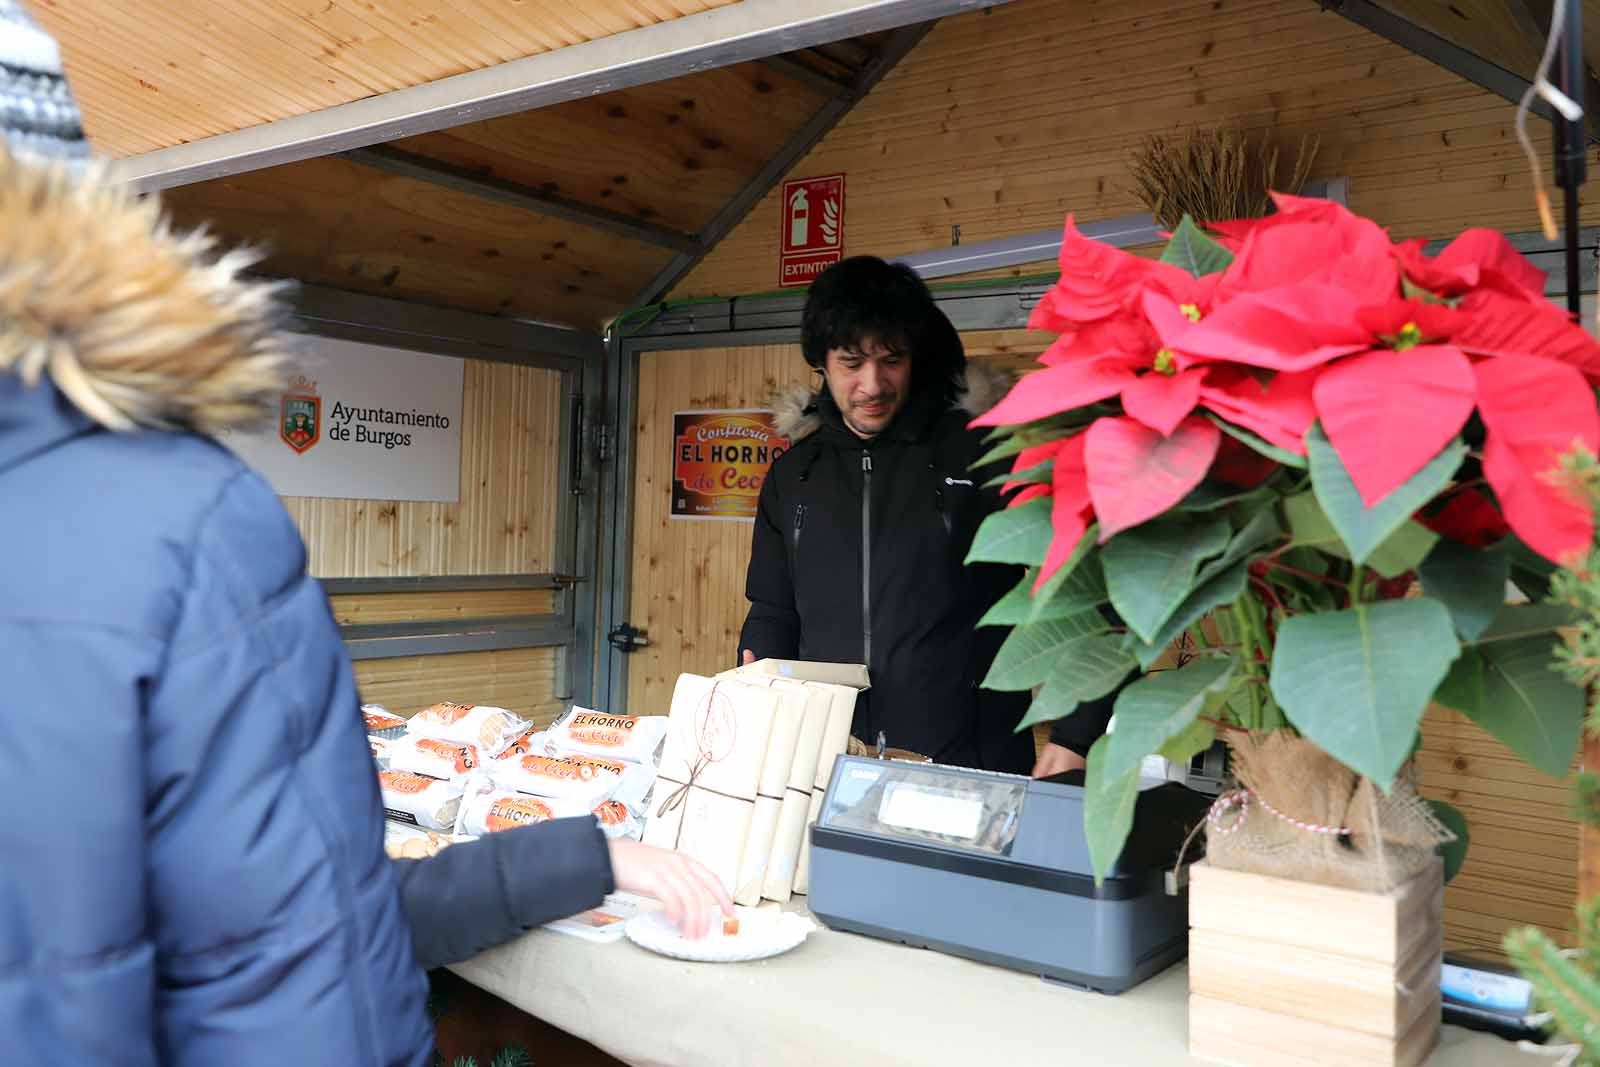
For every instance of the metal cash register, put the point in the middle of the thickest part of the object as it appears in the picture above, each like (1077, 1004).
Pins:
(995, 867)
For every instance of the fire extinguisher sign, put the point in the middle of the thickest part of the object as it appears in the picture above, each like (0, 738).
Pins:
(813, 228)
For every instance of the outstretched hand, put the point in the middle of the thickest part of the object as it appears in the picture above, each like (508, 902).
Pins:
(689, 893)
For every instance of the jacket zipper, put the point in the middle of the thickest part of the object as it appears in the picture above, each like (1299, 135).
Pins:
(799, 524)
(944, 516)
(866, 559)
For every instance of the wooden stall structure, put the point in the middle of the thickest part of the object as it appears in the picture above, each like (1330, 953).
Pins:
(500, 184)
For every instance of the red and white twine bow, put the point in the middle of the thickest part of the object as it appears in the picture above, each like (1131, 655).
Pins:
(1239, 800)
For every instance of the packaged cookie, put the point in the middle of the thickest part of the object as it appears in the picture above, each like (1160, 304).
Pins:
(405, 842)
(435, 758)
(491, 730)
(489, 810)
(554, 776)
(630, 738)
(531, 743)
(380, 752)
(381, 722)
(430, 803)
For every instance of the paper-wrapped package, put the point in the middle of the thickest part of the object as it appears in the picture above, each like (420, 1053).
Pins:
(778, 880)
(717, 740)
(843, 683)
(775, 770)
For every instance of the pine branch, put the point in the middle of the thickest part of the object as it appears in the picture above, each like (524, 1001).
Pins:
(1569, 993)
(512, 1056)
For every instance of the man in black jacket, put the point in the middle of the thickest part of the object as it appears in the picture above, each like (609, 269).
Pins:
(864, 524)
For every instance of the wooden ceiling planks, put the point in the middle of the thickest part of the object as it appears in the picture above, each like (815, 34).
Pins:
(154, 73)
(331, 222)
(670, 152)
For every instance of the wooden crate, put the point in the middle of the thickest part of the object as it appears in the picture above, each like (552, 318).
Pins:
(1278, 968)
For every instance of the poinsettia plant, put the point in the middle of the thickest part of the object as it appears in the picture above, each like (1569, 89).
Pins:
(1301, 462)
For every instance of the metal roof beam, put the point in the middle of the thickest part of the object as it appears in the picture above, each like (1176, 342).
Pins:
(801, 71)
(901, 42)
(464, 180)
(1534, 16)
(1459, 61)
(734, 33)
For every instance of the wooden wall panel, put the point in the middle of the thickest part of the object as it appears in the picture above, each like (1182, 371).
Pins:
(505, 521)
(521, 679)
(1003, 122)
(153, 73)
(370, 608)
(688, 575)
(1522, 867)
(333, 222)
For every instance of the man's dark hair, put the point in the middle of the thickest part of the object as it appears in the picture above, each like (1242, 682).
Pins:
(864, 298)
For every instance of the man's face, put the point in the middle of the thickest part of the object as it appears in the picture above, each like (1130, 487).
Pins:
(870, 385)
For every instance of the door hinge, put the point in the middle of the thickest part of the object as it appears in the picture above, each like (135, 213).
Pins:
(602, 442)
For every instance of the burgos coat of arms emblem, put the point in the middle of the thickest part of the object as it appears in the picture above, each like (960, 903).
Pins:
(300, 415)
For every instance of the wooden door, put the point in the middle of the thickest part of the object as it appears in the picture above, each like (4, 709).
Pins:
(688, 574)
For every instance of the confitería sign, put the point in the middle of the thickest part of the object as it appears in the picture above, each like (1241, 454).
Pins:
(363, 422)
(719, 460)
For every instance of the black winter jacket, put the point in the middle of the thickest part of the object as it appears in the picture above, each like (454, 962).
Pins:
(479, 894)
(907, 503)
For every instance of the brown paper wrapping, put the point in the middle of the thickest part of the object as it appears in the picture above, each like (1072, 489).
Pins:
(705, 797)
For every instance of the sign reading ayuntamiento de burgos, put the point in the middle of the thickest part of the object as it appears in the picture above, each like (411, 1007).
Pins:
(719, 460)
(362, 422)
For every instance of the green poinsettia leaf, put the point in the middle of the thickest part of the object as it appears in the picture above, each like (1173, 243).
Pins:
(1403, 551)
(1151, 568)
(1108, 805)
(1530, 572)
(1259, 444)
(1462, 687)
(1153, 710)
(1030, 652)
(1014, 608)
(1038, 474)
(1511, 688)
(1365, 530)
(1357, 681)
(1454, 852)
(1471, 582)
(1209, 496)
(1195, 251)
(1084, 670)
(1186, 744)
(1262, 530)
(1079, 583)
(1014, 535)
(1222, 589)
(1515, 621)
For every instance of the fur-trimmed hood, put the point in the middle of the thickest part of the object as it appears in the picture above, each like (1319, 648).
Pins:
(135, 325)
(796, 416)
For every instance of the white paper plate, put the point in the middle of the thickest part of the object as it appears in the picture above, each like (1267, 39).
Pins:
(763, 932)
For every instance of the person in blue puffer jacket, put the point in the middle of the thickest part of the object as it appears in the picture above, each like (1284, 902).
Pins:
(191, 869)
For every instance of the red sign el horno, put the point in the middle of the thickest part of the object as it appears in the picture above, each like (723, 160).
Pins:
(812, 237)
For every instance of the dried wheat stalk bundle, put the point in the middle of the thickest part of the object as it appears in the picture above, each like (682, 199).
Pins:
(1214, 173)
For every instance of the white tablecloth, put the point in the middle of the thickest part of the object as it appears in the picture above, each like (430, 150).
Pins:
(843, 999)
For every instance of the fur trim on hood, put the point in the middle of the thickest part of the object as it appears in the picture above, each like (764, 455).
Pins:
(795, 413)
(136, 325)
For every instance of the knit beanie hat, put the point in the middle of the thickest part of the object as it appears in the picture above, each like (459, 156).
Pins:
(38, 117)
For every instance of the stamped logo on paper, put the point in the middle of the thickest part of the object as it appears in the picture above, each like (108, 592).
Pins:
(715, 729)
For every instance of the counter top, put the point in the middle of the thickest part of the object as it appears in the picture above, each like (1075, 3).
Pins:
(846, 999)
